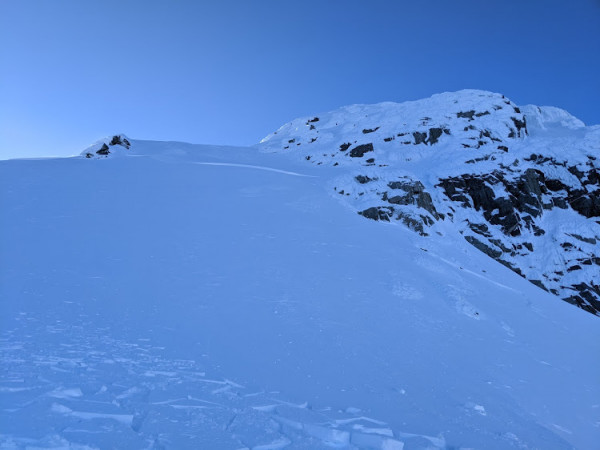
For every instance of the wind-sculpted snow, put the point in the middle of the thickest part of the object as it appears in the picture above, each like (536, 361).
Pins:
(522, 184)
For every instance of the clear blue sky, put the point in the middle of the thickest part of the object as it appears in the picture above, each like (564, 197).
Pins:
(230, 72)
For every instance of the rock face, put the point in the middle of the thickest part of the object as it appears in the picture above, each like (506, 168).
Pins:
(521, 184)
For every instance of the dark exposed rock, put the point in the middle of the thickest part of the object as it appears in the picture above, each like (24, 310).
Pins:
(493, 252)
(480, 228)
(360, 150)
(539, 284)
(520, 125)
(118, 140)
(587, 297)
(345, 146)
(103, 150)
(377, 213)
(413, 223)
(465, 114)
(510, 266)
(415, 194)
(503, 148)
(527, 192)
(484, 113)
(314, 119)
(420, 138)
(370, 161)
(370, 130)
(555, 185)
(388, 139)
(583, 239)
(585, 204)
(434, 135)
(363, 179)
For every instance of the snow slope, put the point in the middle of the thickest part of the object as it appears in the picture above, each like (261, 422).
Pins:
(185, 296)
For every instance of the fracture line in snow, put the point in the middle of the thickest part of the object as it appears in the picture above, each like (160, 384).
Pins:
(249, 166)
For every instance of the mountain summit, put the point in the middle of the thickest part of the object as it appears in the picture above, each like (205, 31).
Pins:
(521, 184)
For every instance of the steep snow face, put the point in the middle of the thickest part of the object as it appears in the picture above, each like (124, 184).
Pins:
(520, 184)
(180, 296)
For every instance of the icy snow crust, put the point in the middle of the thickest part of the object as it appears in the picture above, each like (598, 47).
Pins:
(187, 296)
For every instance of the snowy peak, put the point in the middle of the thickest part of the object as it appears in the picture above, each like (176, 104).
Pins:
(466, 119)
(521, 184)
(117, 144)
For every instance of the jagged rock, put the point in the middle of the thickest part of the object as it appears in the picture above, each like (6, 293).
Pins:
(360, 150)
(377, 213)
(583, 239)
(539, 284)
(415, 194)
(587, 297)
(466, 114)
(119, 140)
(363, 179)
(103, 150)
(584, 203)
(480, 228)
(520, 125)
(492, 252)
(434, 135)
(413, 223)
(420, 137)
(369, 130)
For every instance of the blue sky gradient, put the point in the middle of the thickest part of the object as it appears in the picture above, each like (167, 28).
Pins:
(230, 72)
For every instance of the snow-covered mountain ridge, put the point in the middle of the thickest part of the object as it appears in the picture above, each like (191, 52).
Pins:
(522, 184)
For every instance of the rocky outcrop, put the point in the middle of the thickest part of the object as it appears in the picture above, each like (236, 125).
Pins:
(360, 150)
(521, 184)
(105, 147)
(515, 201)
(404, 200)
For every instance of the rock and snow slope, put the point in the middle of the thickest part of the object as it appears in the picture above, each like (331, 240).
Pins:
(522, 184)
(168, 295)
